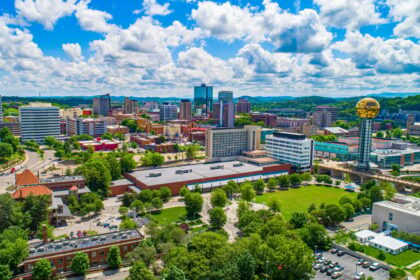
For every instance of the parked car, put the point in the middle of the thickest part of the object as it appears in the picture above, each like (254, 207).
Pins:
(318, 256)
(336, 275)
(359, 276)
(323, 269)
(360, 261)
(334, 251)
(330, 271)
(327, 262)
(374, 266)
(366, 264)
(317, 266)
(340, 253)
(333, 264)
(339, 268)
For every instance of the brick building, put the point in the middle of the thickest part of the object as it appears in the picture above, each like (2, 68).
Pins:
(268, 119)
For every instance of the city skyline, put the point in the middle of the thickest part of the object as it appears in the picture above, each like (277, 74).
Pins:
(263, 48)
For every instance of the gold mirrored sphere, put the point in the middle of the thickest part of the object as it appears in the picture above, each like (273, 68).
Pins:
(368, 108)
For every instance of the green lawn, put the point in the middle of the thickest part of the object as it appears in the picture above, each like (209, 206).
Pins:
(402, 260)
(169, 215)
(298, 200)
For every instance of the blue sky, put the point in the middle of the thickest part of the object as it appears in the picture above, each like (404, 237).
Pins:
(164, 48)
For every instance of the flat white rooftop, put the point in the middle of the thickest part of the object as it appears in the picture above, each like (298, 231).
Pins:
(365, 233)
(409, 205)
(388, 242)
(159, 176)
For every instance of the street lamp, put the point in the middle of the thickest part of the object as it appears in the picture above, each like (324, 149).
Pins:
(266, 269)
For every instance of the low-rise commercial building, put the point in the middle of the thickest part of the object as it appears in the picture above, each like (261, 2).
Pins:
(381, 241)
(268, 119)
(205, 176)
(61, 253)
(402, 214)
(91, 126)
(113, 129)
(100, 144)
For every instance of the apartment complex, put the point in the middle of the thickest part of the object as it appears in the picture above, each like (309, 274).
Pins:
(293, 148)
(102, 105)
(168, 111)
(185, 110)
(203, 99)
(225, 96)
(322, 118)
(224, 144)
(89, 126)
(332, 110)
(402, 214)
(243, 106)
(268, 119)
(130, 106)
(39, 120)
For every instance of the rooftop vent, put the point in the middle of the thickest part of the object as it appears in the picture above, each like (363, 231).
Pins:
(220, 166)
(155, 174)
(182, 171)
(239, 164)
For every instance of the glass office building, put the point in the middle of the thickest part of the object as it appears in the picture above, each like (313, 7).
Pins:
(203, 98)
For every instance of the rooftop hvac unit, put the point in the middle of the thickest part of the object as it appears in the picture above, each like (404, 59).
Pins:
(238, 164)
(155, 174)
(216, 167)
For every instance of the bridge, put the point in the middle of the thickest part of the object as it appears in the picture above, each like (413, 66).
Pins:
(361, 176)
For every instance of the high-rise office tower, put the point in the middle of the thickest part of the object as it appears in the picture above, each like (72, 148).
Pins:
(168, 111)
(243, 106)
(225, 96)
(130, 106)
(203, 98)
(39, 120)
(332, 110)
(1, 109)
(367, 109)
(185, 110)
(322, 118)
(224, 113)
(102, 105)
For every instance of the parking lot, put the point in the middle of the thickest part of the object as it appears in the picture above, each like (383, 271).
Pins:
(350, 268)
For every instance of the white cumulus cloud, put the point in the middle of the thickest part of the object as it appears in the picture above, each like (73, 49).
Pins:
(407, 14)
(73, 51)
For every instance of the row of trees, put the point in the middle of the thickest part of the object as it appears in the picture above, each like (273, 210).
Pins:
(8, 145)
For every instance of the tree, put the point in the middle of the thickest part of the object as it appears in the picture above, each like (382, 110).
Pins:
(174, 273)
(96, 175)
(114, 258)
(379, 134)
(230, 188)
(306, 177)
(274, 205)
(80, 263)
(152, 159)
(184, 191)
(137, 205)
(295, 179)
(259, 186)
(157, 203)
(218, 198)
(345, 199)
(348, 210)
(311, 207)
(272, 184)
(397, 274)
(128, 223)
(246, 266)
(381, 256)
(146, 196)
(139, 271)
(375, 194)
(37, 208)
(6, 151)
(127, 163)
(284, 181)
(388, 189)
(114, 166)
(4, 132)
(217, 217)
(333, 214)
(131, 124)
(314, 234)
(107, 136)
(347, 178)
(5, 273)
(123, 210)
(247, 191)
(165, 193)
(193, 204)
(191, 151)
(298, 220)
(42, 270)
(417, 275)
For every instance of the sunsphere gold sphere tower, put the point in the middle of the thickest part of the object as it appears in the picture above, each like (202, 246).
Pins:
(367, 109)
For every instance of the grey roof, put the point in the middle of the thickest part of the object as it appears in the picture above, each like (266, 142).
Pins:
(42, 249)
(62, 179)
(193, 172)
(134, 189)
(66, 192)
(120, 182)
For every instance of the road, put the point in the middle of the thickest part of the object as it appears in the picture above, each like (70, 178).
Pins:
(33, 162)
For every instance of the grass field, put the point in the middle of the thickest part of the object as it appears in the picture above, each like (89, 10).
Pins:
(169, 215)
(402, 260)
(298, 200)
